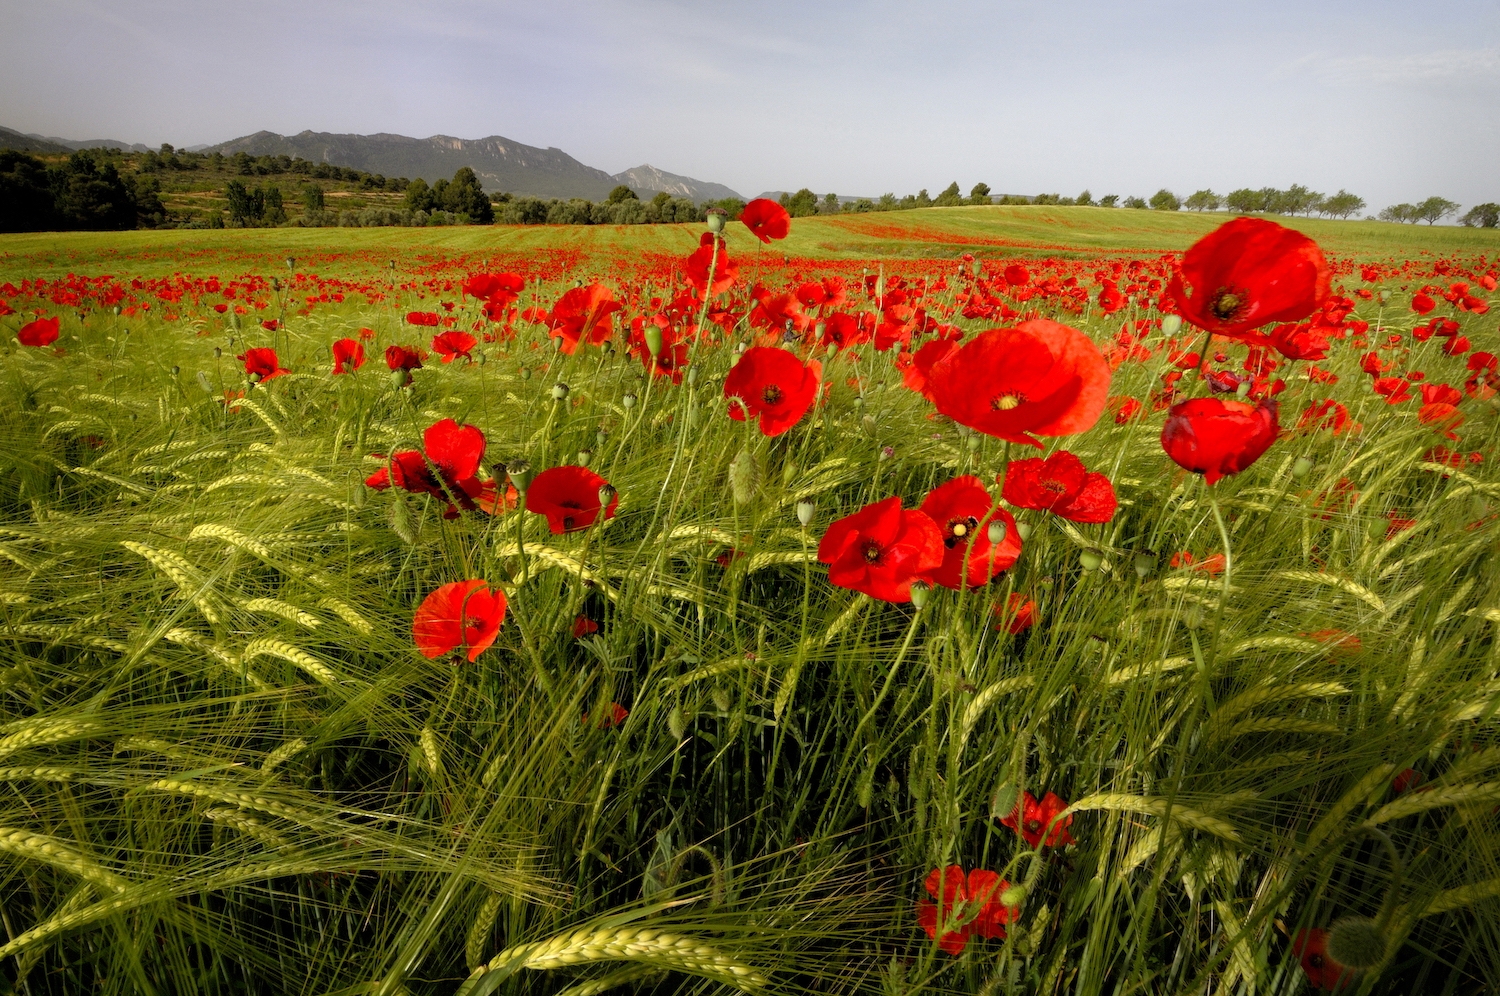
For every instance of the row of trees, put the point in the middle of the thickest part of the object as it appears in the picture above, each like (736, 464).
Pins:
(622, 207)
(463, 195)
(1295, 200)
(84, 193)
(169, 159)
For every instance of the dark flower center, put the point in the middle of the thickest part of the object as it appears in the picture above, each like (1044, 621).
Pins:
(872, 552)
(771, 394)
(1316, 961)
(567, 522)
(1034, 826)
(1226, 304)
(958, 531)
(1008, 401)
(1055, 486)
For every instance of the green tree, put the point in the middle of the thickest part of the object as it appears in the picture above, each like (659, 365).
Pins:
(1343, 204)
(1202, 200)
(418, 196)
(1165, 200)
(801, 204)
(88, 194)
(1109, 200)
(1485, 215)
(887, 202)
(830, 204)
(1435, 209)
(621, 193)
(146, 192)
(1244, 201)
(923, 200)
(950, 197)
(980, 194)
(1400, 213)
(1084, 199)
(25, 194)
(1048, 199)
(246, 207)
(312, 198)
(275, 213)
(465, 196)
(1139, 203)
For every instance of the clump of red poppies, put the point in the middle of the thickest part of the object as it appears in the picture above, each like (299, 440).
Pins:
(464, 615)
(965, 907)
(447, 468)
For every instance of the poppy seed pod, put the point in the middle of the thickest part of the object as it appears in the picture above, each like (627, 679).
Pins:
(652, 336)
(1090, 559)
(996, 532)
(520, 474)
(1023, 529)
(400, 378)
(176, 370)
(628, 402)
(921, 591)
(1145, 564)
(218, 353)
(525, 373)
(584, 456)
(805, 510)
(1171, 324)
(601, 437)
(715, 219)
(559, 391)
(1302, 467)
(607, 494)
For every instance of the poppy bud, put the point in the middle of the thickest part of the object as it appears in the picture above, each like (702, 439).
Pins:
(920, 592)
(176, 370)
(525, 373)
(218, 353)
(805, 510)
(559, 391)
(481, 357)
(692, 376)
(584, 456)
(972, 442)
(715, 220)
(291, 262)
(864, 789)
(1356, 942)
(400, 378)
(204, 382)
(1003, 802)
(275, 283)
(1171, 324)
(628, 401)
(676, 722)
(1013, 896)
(520, 474)
(722, 699)
(869, 423)
(1145, 564)
(236, 319)
(1023, 529)
(1090, 559)
(887, 452)
(996, 532)
(653, 340)
(1384, 295)
(607, 492)
(254, 378)
(1302, 467)
(1243, 390)
(744, 476)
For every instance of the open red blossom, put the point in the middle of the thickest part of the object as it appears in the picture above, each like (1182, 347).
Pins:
(915, 371)
(261, 361)
(448, 470)
(463, 615)
(726, 272)
(452, 344)
(583, 626)
(1036, 820)
(270, 325)
(963, 511)
(429, 318)
(403, 358)
(583, 314)
(1213, 437)
(499, 289)
(1299, 342)
(1017, 615)
(1311, 948)
(1326, 414)
(1017, 275)
(969, 906)
(42, 332)
(569, 498)
(881, 549)
(773, 386)
(348, 356)
(613, 716)
(1038, 378)
(1248, 272)
(1422, 303)
(1061, 485)
(1394, 389)
(766, 219)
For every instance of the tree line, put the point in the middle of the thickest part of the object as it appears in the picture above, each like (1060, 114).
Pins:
(86, 192)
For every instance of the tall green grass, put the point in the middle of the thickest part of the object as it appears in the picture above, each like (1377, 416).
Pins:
(227, 769)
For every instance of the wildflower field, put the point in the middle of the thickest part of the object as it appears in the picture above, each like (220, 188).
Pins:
(981, 600)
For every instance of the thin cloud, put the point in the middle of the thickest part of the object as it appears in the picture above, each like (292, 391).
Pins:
(1439, 66)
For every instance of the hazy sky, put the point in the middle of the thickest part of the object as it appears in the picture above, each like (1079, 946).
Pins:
(1394, 101)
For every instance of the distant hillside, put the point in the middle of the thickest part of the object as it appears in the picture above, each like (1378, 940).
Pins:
(500, 163)
(648, 180)
(85, 143)
(25, 143)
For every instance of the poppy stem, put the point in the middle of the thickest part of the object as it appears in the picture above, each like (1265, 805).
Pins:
(1208, 339)
(1213, 504)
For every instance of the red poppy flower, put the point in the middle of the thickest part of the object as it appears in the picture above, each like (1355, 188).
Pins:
(1017, 615)
(270, 325)
(497, 288)
(1422, 303)
(1125, 409)
(452, 344)
(429, 318)
(919, 364)
(348, 351)
(881, 549)
(1326, 414)
(1394, 389)
(1061, 485)
(1311, 949)
(971, 905)
(613, 716)
(772, 385)
(1034, 820)
(1406, 780)
(726, 272)
(1248, 272)
(963, 511)
(1299, 342)
(366, 335)
(455, 452)
(1017, 275)
(261, 361)
(1039, 377)
(583, 315)
(583, 626)
(463, 615)
(42, 332)
(766, 219)
(1213, 437)
(402, 358)
(221, 308)
(569, 498)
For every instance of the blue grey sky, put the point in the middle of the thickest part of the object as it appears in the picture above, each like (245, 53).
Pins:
(1394, 101)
